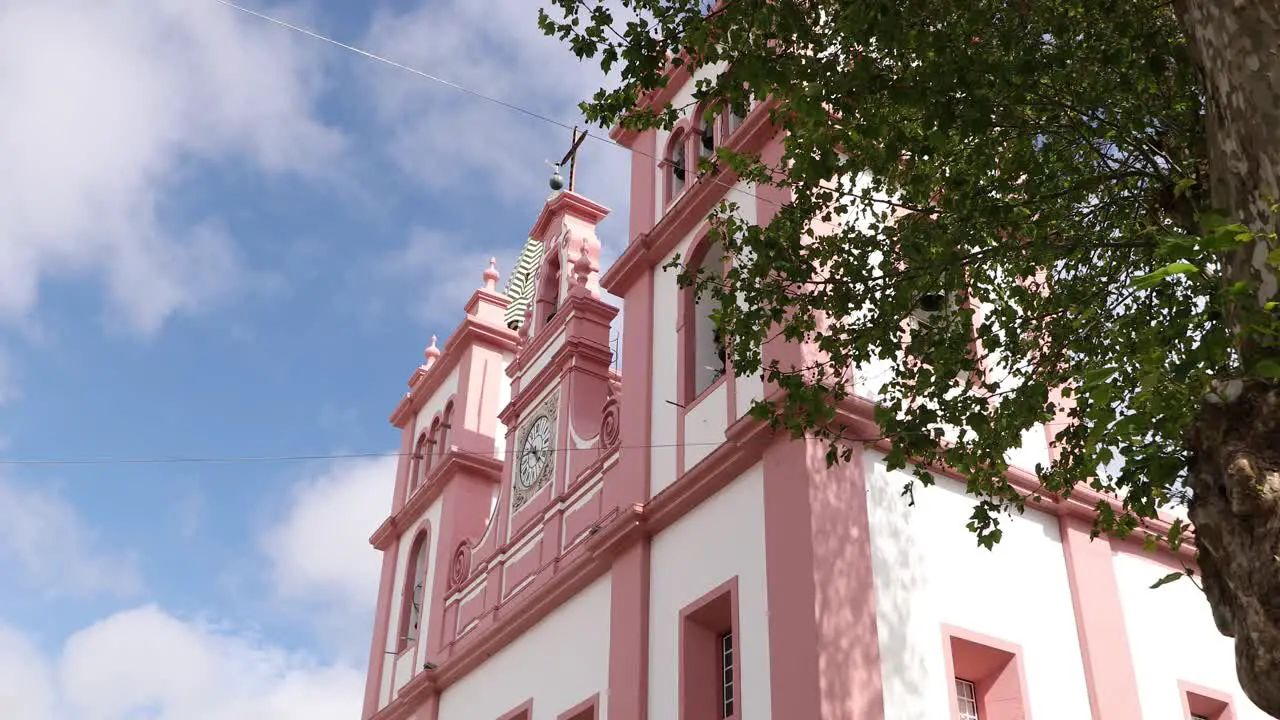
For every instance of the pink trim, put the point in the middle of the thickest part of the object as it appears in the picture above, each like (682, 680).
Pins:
(821, 591)
(702, 622)
(644, 184)
(682, 217)
(615, 533)
(471, 332)
(421, 545)
(403, 469)
(382, 619)
(1100, 623)
(677, 140)
(858, 416)
(523, 711)
(677, 77)
(629, 634)
(994, 667)
(484, 466)
(588, 709)
(1205, 702)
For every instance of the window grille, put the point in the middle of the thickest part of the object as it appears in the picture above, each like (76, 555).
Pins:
(726, 675)
(967, 699)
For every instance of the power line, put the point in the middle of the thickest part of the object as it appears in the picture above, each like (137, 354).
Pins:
(212, 460)
(474, 93)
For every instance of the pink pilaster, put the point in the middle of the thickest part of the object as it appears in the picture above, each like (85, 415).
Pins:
(1104, 643)
(823, 646)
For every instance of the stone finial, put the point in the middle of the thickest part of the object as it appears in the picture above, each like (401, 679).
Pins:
(582, 266)
(491, 275)
(432, 353)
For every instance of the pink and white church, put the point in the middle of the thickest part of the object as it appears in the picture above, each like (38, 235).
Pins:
(570, 543)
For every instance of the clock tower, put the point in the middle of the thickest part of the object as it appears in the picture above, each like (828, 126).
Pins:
(562, 384)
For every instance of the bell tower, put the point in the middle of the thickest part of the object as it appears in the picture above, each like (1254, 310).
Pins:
(561, 375)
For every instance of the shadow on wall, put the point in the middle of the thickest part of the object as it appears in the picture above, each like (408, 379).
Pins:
(898, 575)
(854, 652)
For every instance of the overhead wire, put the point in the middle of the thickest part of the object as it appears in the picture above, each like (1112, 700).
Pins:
(367, 455)
(476, 93)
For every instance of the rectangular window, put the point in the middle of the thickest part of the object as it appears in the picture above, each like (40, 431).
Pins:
(966, 700)
(1202, 703)
(710, 650)
(987, 676)
(726, 675)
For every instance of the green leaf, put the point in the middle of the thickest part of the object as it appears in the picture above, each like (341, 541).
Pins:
(1171, 270)
(1171, 577)
(1267, 368)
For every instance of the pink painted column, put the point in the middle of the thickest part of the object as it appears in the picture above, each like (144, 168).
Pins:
(1104, 643)
(644, 186)
(382, 617)
(628, 695)
(627, 483)
(823, 645)
(386, 589)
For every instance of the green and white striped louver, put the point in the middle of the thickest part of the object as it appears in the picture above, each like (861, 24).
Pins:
(523, 282)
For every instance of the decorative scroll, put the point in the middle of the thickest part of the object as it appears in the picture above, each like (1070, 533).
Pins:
(611, 422)
(460, 569)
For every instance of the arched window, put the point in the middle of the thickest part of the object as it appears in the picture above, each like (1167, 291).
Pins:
(706, 136)
(446, 423)
(676, 166)
(709, 360)
(413, 602)
(548, 297)
(433, 449)
(416, 467)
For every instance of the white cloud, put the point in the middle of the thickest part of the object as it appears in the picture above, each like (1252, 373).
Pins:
(451, 141)
(145, 662)
(108, 107)
(54, 552)
(439, 272)
(455, 144)
(320, 555)
(26, 692)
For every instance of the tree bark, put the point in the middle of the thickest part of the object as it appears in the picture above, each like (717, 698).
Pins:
(1235, 480)
(1234, 471)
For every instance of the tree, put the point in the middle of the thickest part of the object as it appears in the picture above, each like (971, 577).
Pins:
(1084, 191)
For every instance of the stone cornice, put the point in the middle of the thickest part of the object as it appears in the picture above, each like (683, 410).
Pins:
(470, 331)
(454, 461)
(691, 208)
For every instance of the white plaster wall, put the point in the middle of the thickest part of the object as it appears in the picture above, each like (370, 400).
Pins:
(722, 537)
(1034, 450)
(559, 662)
(1172, 637)
(749, 389)
(666, 313)
(929, 571)
(704, 425)
(544, 358)
(390, 682)
(662, 431)
(435, 404)
(504, 398)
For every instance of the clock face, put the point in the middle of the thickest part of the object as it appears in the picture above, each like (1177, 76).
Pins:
(535, 455)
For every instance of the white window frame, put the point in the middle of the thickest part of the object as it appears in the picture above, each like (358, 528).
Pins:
(966, 699)
(728, 691)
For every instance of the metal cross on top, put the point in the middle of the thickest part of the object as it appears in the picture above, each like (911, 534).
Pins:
(571, 157)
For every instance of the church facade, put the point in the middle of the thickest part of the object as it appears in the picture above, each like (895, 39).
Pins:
(570, 543)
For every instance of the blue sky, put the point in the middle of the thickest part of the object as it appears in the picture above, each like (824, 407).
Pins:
(219, 238)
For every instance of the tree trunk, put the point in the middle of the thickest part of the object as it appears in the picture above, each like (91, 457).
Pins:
(1235, 481)
(1235, 447)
